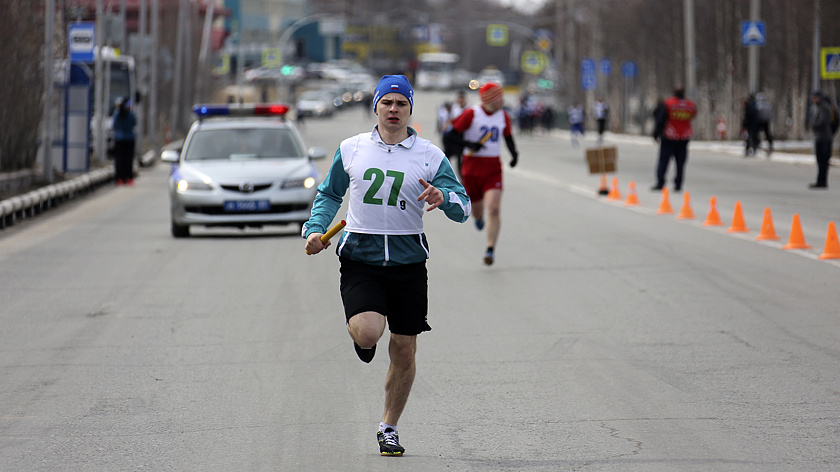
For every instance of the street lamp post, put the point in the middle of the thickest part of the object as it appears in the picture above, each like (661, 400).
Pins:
(690, 51)
(755, 13)
(815, 80)
(49, 20)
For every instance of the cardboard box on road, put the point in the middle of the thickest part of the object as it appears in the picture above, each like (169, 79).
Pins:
(602, 160)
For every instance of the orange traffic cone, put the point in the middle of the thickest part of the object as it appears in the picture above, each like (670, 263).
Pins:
(832, 245)
(797, 239)
(738, 225)
(768, 231)
(665, 206)
(686, 213)
(713, 218)
(602, 190)
(615, 193)
(632, 197)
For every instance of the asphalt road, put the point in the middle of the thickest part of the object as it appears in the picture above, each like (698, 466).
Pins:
(605, 338)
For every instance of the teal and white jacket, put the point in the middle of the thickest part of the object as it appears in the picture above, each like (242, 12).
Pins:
(384, 218)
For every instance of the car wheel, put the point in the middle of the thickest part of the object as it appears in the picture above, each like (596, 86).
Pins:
(180, 231)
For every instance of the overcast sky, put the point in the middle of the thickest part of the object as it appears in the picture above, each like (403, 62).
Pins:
(526, 6)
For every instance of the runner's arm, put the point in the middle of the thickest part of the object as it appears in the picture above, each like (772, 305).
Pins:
(514, 154)
(456, 204)
(328, 200)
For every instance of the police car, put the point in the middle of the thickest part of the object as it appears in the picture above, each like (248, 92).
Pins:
(241, 166)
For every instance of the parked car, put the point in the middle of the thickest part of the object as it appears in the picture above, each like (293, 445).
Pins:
(317, 103)
(488, 75)
(241, 166)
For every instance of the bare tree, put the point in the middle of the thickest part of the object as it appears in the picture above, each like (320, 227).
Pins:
(22, 93)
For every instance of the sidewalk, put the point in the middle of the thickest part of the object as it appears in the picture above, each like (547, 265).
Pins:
(782, 150)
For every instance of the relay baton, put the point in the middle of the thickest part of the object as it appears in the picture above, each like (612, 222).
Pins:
(480, 141)
(332, 232)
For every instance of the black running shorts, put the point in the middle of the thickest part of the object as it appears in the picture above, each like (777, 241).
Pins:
(400, 293)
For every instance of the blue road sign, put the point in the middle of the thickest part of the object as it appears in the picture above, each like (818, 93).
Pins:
(629, 69)
(753, 33)
(80, 41)
(606, 67)
(588, 77)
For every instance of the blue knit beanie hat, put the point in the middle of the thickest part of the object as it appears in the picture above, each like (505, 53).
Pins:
(393, 84)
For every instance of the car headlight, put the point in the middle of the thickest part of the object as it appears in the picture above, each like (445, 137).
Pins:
(308, 182)
(184, 185)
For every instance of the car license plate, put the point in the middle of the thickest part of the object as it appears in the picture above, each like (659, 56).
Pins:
(247, 205)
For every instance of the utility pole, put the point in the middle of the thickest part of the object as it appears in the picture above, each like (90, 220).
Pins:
(690, 51)
(179, 68)
(815, 80)
(142, 69)
(597, 54)
(755, 14)
(572, 59)
(559, 56)
(202, 80)
(153, 77)
(99, 122)
(557, 46)
(49, 62)
(123, 30)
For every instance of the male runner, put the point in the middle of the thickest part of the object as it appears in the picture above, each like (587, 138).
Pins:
(480, 130)
(390, 173)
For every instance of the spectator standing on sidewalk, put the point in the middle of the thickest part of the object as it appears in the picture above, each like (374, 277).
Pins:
(764, 112)
(123, 123)
(821, 117)
(673, 127)
(749, 123)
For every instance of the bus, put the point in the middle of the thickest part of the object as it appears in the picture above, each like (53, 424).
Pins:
(436, 70)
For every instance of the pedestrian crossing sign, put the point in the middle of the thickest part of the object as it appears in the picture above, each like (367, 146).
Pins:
(534, 62)
(753, 33)
(830, 63)
(271, 57)
(497, 35)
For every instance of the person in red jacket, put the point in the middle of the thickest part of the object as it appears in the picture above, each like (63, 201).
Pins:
(673, 131)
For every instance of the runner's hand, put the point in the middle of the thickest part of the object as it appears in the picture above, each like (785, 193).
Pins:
(432, 195)
(475, 146)
(314, 244)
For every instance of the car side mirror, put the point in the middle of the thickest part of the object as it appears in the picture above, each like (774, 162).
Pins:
(317, 153)
(169, 156)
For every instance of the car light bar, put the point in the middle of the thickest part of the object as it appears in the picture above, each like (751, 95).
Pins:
(260, 109)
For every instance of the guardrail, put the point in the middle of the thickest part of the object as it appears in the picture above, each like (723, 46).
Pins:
(37, 201)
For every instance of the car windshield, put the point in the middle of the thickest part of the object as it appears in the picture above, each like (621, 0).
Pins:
(312, 96)
(240, 144)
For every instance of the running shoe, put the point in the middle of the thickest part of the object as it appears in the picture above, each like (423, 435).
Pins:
(389, 443)
(366, 355)
(488, 257)
(479, 223)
